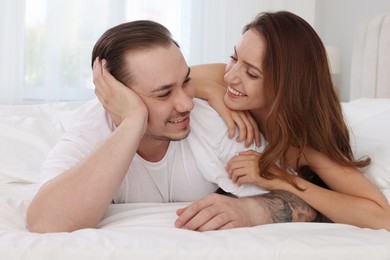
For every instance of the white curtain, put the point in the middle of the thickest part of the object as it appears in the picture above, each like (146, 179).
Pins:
(46, 45)
(11, 44)
(216, 25)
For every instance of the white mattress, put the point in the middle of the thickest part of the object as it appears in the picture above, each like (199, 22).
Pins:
(146, 231)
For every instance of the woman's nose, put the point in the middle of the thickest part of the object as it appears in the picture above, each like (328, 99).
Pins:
(232, 76)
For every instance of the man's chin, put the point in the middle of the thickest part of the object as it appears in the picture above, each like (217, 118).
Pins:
(181, 137)
(177, 137)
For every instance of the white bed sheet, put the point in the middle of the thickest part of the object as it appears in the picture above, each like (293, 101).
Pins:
(146, 231)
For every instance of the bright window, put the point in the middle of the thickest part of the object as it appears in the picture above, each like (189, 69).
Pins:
(60, 34)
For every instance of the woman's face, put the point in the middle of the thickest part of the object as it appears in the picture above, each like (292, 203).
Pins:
(244, 74)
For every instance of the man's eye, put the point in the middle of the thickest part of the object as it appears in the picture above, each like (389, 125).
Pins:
(187, 80)
(165, 94)
(233, 58)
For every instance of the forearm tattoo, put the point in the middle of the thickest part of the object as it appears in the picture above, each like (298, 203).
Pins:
(283, 206)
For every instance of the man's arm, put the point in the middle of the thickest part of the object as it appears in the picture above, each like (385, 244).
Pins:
(217, 211)
(282, 206)
(78, 198)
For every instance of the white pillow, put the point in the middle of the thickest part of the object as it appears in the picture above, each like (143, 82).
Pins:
(369, 121)
(27, 134)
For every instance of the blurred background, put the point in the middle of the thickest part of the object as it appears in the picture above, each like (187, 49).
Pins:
(45, 45)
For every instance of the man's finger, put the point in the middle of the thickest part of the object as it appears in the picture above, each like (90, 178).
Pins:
(215, 223)
(189, 213)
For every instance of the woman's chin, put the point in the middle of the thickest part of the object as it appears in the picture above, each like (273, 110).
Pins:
(233, 104)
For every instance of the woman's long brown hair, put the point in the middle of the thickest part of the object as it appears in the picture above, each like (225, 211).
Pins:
(304, 107)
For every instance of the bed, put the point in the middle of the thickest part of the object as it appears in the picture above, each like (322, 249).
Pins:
(146, 231)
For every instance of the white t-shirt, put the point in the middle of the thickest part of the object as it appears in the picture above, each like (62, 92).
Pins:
(191, 168)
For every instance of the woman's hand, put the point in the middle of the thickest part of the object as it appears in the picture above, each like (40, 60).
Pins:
(209, 83)
(119, 100)
(244, 168)
(243, 120)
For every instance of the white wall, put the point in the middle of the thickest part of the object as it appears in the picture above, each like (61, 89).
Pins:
(217, 24)
(336, 21)
(216, 27)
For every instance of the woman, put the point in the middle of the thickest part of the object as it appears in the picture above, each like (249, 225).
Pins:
(279, 73)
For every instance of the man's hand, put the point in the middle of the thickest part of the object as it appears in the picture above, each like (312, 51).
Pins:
(119, 100)
(215, 211)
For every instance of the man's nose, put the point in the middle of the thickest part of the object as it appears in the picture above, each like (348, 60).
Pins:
(184, 102)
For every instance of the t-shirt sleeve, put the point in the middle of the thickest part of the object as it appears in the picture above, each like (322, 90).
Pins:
(92, 127)
(213, 149)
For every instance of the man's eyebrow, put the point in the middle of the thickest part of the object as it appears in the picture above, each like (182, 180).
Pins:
(163, 87)
(247, 63)
(168, 86)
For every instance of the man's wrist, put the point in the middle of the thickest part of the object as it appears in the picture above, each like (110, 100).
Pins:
(281, 206)
(257, 210)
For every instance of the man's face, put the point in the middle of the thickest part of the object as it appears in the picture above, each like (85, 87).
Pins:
(161, 79)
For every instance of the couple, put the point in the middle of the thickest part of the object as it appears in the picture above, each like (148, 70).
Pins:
(139, 147)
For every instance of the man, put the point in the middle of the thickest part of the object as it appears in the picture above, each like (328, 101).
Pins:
(136, 149)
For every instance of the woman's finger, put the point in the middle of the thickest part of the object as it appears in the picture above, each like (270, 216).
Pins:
(240, 125)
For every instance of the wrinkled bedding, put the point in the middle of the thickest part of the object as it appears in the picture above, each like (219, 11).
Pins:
(146, 231)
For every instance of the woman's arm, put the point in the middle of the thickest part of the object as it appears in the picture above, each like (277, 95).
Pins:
(213, 72)
(352, 198)
(210, 85)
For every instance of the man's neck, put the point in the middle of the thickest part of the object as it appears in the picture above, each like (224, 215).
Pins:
(152, 150)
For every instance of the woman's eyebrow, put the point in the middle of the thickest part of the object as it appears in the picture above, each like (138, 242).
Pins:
(247, 63)
(252, 66)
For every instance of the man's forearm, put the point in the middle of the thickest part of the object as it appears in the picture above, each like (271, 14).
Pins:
(79, 197)
(282, 206)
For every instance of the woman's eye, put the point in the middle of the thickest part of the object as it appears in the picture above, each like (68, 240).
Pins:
(253, 76)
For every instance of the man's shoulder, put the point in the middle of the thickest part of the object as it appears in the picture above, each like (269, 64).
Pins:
(207, 123)
(203, 114)
(91, 114)
(91, 123)
(209, 129)
(201, 104)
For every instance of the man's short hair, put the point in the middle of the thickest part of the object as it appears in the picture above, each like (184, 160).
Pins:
(129, 37)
